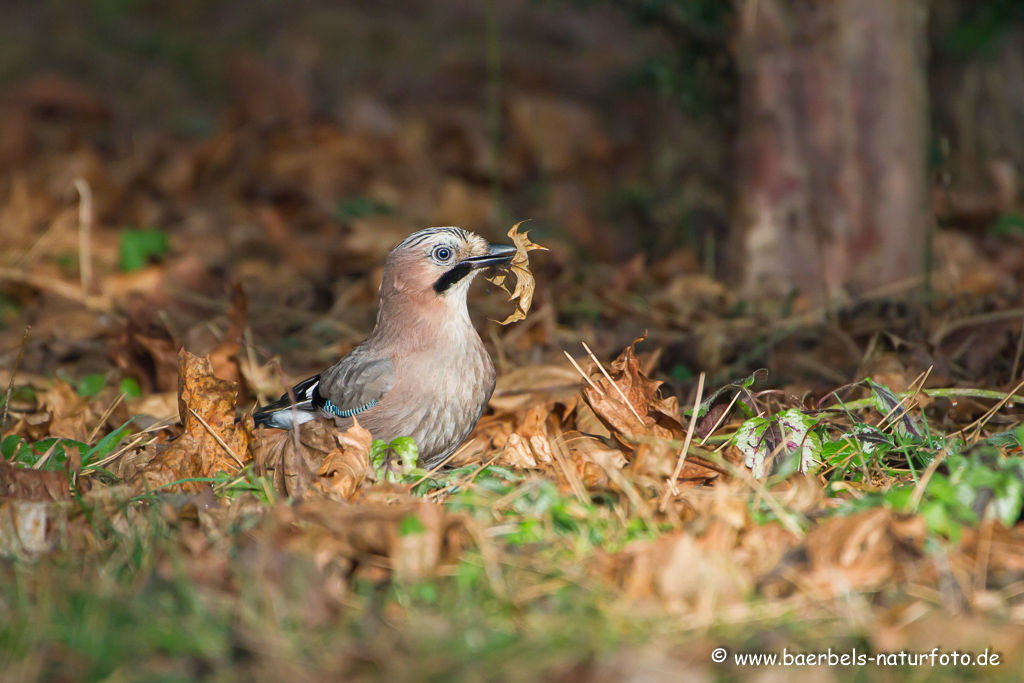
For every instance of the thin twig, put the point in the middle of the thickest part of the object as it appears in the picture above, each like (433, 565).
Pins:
(217, 436)
(583, 374)
(926, 476)
(441, 464)
(686, 444)
(10, 385)
(627, 487)
(465, 482)
(155, 427)
(290, 390)
(616, 386)
(780, 512)
(106, 414)
(981, 421)
(56, 287)
(721, 418)
(572, 476)
(912, 391)
(973, 320)
(85, 220)
(46, 455)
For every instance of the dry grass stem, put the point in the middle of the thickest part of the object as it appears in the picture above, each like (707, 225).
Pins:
(103, 420)
(217, 437)
(121, 451)
(980, 423)
(784, 516)
(981, 560)
(926, 476)
(85, 221)
(441, 464)
(583, 374)
(436, 495)
(686, 444)
(910, 398)
(616, 386)
(638, 503)
(565, 462)
(721, 418)
(46, 456)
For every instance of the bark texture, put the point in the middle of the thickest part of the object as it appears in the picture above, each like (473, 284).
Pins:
(832, 145)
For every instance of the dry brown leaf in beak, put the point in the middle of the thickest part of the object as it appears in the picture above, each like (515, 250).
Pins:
(520, 267)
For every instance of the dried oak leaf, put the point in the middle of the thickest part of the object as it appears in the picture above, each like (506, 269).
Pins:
(659, 416)
(67, 410)
(324, 461)
(520, 267)
(212, 441)
(655, 438)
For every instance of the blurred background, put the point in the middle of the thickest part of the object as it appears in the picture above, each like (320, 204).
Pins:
(698, 168)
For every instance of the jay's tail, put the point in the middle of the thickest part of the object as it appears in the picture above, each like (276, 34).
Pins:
(280, 415)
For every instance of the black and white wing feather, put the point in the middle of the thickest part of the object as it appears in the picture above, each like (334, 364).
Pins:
(279, 413)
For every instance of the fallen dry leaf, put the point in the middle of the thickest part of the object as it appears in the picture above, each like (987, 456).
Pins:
(345, 467)
(520, 267)
(324, 461)
(67, 410)
(529, 444)
(656, 437)
(212, 441)
(30, 484)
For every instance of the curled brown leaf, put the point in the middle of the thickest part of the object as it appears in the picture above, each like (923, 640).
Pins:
(323, 463)
(520, 268)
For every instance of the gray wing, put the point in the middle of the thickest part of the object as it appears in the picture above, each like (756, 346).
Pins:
(357, 383)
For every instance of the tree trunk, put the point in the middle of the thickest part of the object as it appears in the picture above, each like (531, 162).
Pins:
(832, 145)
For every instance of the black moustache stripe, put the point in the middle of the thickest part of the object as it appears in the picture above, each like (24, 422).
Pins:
(451, 277)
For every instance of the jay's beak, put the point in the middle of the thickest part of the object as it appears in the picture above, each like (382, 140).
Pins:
(497, 255)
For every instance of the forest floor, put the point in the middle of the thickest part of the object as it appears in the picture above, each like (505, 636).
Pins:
(784, 480)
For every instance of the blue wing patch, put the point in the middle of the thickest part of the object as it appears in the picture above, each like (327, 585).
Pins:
(338, 412)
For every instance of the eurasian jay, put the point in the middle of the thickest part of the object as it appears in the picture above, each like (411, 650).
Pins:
(423, 372)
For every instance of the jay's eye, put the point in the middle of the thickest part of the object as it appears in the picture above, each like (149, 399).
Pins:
(442, 253)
